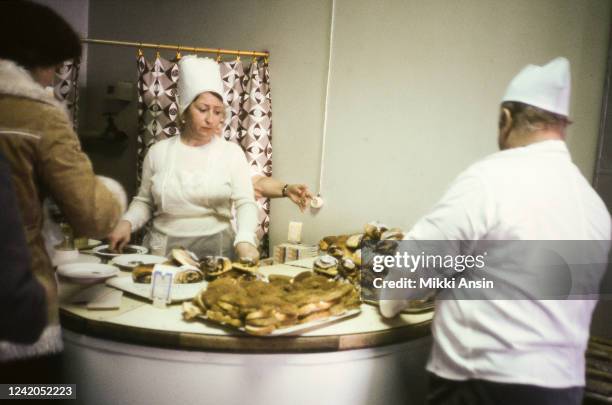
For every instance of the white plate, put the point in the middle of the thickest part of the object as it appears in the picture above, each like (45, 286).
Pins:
(180, 292)
(87, 272)
(128, 262)
(102, 251)
(300, 328)
(414, 308)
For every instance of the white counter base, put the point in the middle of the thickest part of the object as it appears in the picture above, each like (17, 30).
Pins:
(108, 372)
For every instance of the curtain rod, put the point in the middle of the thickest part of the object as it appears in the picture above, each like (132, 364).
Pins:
(177, 48)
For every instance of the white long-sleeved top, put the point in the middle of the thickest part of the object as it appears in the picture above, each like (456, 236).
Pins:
(189, 190)
(527, 193)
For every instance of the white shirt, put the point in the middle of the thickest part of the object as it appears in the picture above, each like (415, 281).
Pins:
(527, 193)
(189, 190)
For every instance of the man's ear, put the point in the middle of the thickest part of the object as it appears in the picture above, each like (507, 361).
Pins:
(505, 126)
(505, 121)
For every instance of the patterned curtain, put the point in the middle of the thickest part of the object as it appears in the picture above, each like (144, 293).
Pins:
(247, 89)
(66, 89)
(250, 125)
(157, 104)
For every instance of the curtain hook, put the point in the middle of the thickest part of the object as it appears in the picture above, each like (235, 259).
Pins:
(254, 58)
(178, 53)
(238, 57)
(157, 51)
(140, 49)
(218, 55)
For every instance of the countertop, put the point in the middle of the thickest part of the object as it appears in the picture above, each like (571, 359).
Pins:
(137, 321)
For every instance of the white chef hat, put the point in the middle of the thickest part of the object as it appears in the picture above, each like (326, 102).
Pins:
(196, 76)
(546, 87)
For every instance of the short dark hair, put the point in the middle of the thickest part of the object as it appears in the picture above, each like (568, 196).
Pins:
(33, 35)
(527, 118)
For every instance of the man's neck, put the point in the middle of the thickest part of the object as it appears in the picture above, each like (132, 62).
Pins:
(519, 140)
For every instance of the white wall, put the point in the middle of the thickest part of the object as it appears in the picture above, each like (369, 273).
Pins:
(414, 87)
(414, 93)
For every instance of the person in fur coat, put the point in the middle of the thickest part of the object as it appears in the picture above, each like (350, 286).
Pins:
(46, 160)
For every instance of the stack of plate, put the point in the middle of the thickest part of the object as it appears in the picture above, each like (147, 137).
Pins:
(87, 273)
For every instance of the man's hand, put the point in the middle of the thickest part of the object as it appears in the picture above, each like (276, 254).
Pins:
(269, 187)
(390, 308)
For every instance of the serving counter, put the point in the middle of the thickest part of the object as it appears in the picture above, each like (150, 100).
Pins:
(143, 354)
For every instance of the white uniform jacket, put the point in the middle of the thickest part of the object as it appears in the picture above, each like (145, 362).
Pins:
(526, 193)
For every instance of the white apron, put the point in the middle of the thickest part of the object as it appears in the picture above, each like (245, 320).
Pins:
(179, 191)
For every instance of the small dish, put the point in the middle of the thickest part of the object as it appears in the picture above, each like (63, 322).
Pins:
(61, 256)
(79, 258)
(87, 273)
(104, 252)
(129, 262)
(179, 292)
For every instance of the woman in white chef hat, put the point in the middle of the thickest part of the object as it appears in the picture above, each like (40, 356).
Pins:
(190, 182)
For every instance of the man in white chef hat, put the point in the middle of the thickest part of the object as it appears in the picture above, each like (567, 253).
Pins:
(515, 351)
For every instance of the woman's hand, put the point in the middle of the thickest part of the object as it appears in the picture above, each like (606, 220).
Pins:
(299, 194)
(120, 236)
(245, 250)
(269, 187)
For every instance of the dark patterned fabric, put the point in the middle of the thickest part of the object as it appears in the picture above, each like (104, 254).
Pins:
(250, 124)
(157, 104)
(247, 90)
(66, 89)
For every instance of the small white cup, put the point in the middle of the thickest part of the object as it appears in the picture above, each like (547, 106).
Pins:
(316, 202)
(64, 256)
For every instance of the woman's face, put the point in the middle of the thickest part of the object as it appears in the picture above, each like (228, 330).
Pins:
(44, 75)
(205, 115)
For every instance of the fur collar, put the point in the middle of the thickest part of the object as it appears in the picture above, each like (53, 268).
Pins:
(17, 81)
